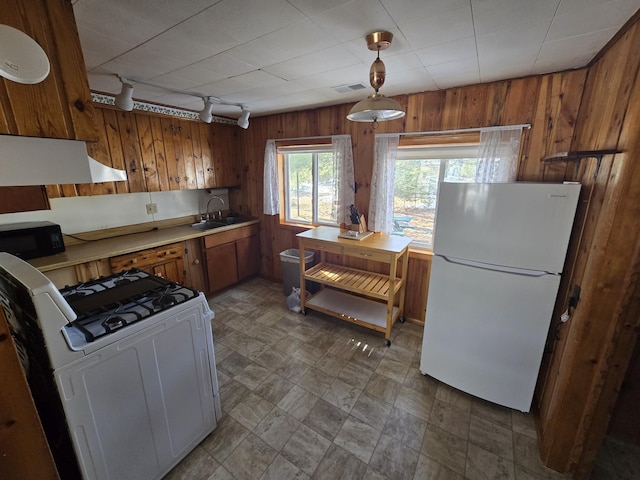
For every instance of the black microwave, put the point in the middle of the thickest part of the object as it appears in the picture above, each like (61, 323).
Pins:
(31, 239)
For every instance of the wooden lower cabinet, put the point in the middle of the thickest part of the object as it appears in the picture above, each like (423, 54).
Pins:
(166, 262)
(222, 270)
(248, 255)
(231, 256)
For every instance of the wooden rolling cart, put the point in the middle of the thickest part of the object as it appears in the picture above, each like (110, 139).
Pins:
(357, 296)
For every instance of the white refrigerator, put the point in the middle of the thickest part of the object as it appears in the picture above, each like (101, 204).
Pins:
(499, 250)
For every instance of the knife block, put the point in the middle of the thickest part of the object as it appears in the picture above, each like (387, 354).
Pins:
(360, 227)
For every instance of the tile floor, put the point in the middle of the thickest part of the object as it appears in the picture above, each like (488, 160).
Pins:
(314, 397)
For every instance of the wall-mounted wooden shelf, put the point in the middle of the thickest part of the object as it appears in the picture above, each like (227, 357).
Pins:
(576, 156)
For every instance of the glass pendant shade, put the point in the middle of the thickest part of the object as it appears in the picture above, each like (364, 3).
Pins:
(375, 108)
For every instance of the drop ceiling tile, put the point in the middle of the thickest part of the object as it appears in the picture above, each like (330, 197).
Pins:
(107, 83)
(146, 64)
(288, 43)
(499, 69)
(350, 75)
(448, 52)
(116, 20)
(252, 95)
(225, 65)
(328, 59)
(458, 73)
(241, 21)
(439, 28)
(511, 42)
(581, 49)
(411, 11)
(247, 81)
(354, 20)
(98, 48)
(187, 78)
(313, 7)
(590, 18)
(130, 70)
(492, 15)
(409, 81)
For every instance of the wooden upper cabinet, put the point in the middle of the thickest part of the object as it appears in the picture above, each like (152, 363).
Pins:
(222, 140)
(60, 106)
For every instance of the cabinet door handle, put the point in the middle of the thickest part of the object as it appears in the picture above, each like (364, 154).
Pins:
(366, 254)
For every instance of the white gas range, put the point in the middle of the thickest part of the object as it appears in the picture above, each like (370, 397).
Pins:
(122, 369)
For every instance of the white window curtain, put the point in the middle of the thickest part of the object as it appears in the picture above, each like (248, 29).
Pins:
(498, 154)
(382, 184)
(345, 179)
(271, 198)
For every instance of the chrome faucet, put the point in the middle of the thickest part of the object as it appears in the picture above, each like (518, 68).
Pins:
(206, 217)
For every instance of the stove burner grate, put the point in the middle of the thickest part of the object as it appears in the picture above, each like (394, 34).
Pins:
(108, 304)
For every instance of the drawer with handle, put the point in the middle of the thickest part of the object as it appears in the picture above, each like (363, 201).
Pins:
(364, 253)
(323, 246)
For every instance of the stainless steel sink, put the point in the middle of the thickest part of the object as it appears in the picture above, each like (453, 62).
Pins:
(208, 225)
(223, 222)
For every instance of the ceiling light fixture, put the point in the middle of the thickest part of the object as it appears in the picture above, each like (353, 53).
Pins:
(206, 114)
(124, 100)
(376, 107)
(243, 121)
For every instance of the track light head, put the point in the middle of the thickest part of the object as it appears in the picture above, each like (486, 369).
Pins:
(243, 121)
(124, 100)
(206, 114)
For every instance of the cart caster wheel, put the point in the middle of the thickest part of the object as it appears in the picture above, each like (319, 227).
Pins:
(303, 312)
(388, 343)
(401, 319)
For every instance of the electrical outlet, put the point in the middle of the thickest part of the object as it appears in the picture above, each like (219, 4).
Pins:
(152, 208)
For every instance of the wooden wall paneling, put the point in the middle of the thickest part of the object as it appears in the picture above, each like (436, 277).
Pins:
(473, 108)
(27, 101)
(452, 109)
(60, 106)
(160, 154)
(197, 156)
(424, 111)
(209, 180)
(99, 151)
(184, 129)
(147, 152)
(625, 417)
(417, 277)
(171, 154)
(71, 62)
(114, 142)
(222, 143)
(601, 334)
(131, 152)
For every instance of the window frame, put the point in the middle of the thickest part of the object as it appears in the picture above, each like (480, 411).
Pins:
(283, 160)
(466, 143)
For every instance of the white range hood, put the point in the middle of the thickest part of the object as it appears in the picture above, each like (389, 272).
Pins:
(50, 161)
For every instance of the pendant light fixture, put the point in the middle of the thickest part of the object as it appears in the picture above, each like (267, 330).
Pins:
(376, 107)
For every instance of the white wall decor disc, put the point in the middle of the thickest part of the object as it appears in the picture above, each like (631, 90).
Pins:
(22, 60)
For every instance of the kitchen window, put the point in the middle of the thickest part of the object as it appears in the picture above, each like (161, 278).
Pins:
(419, 170)
(310, 185)
(409, 167)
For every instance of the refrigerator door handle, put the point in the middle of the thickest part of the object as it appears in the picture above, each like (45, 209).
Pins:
(497, 268)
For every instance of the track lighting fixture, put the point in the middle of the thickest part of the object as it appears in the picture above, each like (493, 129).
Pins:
(376, 107)
(124, 100)
(206, 114)
(243, 121)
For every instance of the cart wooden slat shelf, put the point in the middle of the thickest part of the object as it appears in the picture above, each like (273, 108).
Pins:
(358, 296)
(375, 285)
